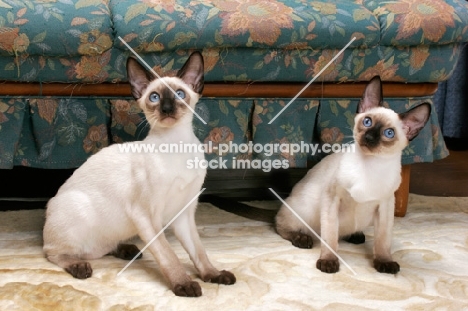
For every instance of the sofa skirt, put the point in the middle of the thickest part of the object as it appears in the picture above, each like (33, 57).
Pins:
(240, 133)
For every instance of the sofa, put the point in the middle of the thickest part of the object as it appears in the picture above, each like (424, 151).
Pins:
(64, 93)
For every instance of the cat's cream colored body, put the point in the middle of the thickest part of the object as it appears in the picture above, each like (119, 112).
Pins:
(345, 193)
(355, 179)
(100, 205)
(348, 191)
(116, 195)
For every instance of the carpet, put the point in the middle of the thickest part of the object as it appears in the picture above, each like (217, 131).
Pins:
(430, 243)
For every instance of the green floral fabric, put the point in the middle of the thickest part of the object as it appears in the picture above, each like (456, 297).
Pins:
(64, 132)
(420, 22)
(54, 28)
(171, 25)
(403, 64)
(52, 132)
(295, 125)
(242, 40)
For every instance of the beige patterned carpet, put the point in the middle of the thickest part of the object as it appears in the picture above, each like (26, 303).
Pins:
(430, 243)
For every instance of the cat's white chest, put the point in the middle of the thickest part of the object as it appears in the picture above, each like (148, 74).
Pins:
(371, 180)
(176, 171)
(176, 153)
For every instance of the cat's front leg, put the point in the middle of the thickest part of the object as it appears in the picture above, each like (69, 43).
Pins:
(329, 223)
(186, 231)
(181, 284)
(383, 225)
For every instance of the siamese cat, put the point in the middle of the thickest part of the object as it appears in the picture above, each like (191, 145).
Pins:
(115, 196)
(349, 191)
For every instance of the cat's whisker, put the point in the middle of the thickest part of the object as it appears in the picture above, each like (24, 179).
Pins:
(145, 124)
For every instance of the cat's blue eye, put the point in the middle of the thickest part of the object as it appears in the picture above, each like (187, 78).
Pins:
(367, 122)
(154, 97)
(180, 94)
(389, 133)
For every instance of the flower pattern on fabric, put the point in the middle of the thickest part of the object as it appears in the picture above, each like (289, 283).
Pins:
(63, 133)
(432, 16)
(94, 43)
(92, 68)
(262, 19)
(220, 135)
(331, 135)
(160, 5)
(241, 41)
(385, 69)
(7, 38)
(96, 139)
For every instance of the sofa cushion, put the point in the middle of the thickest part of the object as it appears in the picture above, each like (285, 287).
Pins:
(408, 64)
(153, 26)
(416, 22)
(50, 28)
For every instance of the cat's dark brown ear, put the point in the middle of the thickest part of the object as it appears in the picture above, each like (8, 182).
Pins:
(372, 96)
(138, 77)
(192, 72)
(415, 119)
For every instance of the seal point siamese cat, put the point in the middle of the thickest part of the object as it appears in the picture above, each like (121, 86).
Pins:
(115, 196)
(349, 191)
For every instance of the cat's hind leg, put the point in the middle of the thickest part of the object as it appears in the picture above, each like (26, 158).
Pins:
(355, 238)
(297, 238)
(77, 267)
(126, 252)
(289, 228)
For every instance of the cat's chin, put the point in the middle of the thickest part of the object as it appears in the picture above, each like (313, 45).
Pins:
(367, 151)
(167, 122)
(378, 152)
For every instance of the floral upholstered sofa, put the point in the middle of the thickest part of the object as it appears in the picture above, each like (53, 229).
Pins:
(64, 96)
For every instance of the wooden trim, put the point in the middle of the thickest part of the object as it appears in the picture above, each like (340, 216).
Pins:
(402, 193)
(236, 90)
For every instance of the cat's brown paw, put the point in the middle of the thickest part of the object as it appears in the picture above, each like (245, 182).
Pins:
(189, 289)
(126, 252)
(80, 270)
(356, 238)
(391, 267)
(328, 265)
(224, 277)
(302, 240)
